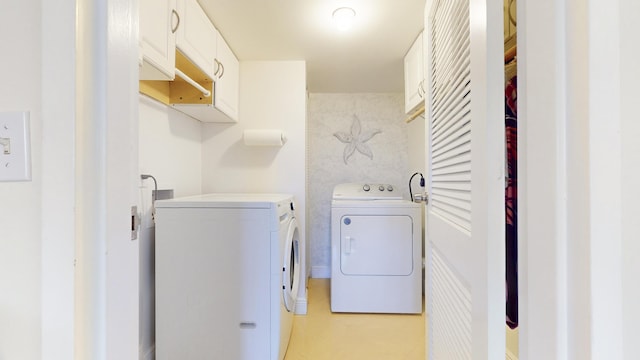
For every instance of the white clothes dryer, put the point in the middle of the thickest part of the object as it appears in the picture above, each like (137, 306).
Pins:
(376, 250)
(227, 276)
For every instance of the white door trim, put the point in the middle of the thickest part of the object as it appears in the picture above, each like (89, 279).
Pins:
(89, 265)
(572, 235)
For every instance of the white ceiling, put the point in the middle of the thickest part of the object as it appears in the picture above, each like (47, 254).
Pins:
(368, 58)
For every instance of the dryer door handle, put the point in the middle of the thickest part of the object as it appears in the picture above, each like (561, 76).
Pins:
(348, 248)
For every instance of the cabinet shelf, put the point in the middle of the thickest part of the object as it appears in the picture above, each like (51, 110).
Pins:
(184, 97)
(200, 53)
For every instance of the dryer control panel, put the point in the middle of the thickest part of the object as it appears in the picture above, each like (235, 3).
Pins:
(366, 191)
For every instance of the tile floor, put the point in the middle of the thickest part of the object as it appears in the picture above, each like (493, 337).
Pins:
(322, 335)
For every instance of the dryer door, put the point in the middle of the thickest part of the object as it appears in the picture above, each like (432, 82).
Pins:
(291, 266)
(376, 245)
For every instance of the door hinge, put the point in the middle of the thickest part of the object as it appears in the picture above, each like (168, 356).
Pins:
(135, 222)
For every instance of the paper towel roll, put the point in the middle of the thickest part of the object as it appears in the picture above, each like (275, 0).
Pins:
(259, 137)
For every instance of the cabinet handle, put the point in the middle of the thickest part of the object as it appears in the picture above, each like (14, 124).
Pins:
(175, 28)
(219, 69)
(218, 65)
(222, 72)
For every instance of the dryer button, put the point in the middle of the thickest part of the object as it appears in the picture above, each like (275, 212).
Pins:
(347, 221)
(389, 188)
(366, 187)
(381, 187)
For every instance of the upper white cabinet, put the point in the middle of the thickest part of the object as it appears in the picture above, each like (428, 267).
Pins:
(196, 36)
(414, 90)
(159, 22)
(227, 80)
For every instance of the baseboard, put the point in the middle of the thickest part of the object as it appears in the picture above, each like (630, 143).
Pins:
(151, 353)
(510, 356)
(321, 272)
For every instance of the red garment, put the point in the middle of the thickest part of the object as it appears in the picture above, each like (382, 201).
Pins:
(511, 201)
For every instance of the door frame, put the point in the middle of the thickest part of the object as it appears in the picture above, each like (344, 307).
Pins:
(577, 136)
(89, 265)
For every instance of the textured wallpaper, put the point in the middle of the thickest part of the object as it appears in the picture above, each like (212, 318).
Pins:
(351, 138)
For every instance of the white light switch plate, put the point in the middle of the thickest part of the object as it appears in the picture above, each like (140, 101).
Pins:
(15, 146)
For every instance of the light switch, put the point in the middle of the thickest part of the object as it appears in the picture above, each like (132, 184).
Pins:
(15, 146)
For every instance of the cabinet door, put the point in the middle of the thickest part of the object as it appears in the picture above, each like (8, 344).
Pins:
(158, 23)
(227, 81)
(413, 76)
(196, 36)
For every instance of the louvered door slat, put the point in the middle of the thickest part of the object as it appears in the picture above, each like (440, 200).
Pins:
(442, 83)
(452, 303)
(456, 194)
(453, 202)
(459, 167)
(450, 104)
(450, 60)
(449, 50)
(452, 89)
(456, 151)
(463, 187)
(458, 126)
(462, 159)
(454, 148)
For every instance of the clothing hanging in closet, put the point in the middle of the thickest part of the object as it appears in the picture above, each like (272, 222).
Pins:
(511, 198)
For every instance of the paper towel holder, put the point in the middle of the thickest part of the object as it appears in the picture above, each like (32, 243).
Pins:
(264, 137)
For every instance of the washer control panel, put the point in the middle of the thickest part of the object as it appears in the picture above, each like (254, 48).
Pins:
(381, 187)
(366, 191)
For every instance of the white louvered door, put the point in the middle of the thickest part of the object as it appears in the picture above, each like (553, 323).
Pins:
(465, 162)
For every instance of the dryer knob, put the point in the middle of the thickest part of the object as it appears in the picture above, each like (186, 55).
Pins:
(381, 187)
(366, 187)
(389, 188)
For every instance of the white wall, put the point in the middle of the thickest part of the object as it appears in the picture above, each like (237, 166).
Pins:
(272, 96)
(416, 145)
(20, 218)
(170, 150)
(333, 113)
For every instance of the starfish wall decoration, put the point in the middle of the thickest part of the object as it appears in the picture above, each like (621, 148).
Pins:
(356, 139)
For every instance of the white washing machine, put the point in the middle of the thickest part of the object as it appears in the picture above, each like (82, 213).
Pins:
(227, 276)
(376, 250)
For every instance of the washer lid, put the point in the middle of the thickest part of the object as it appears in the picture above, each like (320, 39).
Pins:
(228, 200)
(366, 191)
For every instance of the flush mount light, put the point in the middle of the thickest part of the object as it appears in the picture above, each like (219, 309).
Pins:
(343, 17)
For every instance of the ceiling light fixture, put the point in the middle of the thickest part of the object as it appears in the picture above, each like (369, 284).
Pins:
(344, 17)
